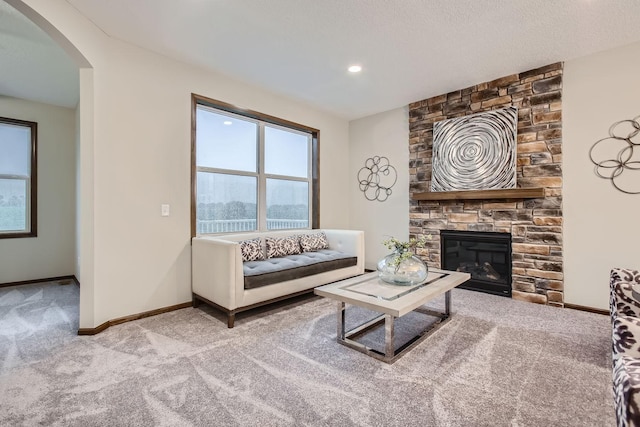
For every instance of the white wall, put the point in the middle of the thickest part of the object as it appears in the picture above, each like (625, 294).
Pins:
(600, 223)
(77, 180)
(51, 253)
(385, 134)
(85, 214)
(140, 159)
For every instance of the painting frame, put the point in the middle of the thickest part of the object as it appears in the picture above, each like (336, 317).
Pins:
(475, 152)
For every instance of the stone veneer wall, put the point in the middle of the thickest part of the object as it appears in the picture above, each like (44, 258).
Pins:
(535, 224)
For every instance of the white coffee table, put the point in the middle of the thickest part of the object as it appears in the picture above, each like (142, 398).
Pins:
(392, 301)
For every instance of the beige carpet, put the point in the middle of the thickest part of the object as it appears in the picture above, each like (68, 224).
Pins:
(498, 362)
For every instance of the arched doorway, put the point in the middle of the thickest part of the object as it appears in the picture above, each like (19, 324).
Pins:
(83, 212)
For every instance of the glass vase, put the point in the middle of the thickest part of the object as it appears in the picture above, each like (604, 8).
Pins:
(409, 271)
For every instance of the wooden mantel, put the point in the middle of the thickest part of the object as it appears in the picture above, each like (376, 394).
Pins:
(511, 193)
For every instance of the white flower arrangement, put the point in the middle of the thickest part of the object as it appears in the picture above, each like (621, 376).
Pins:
(405, 250)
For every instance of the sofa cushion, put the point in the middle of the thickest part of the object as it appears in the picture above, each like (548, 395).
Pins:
(626, 390)
(282, 246)
(313, 242)
(276, 270)
(251, 249)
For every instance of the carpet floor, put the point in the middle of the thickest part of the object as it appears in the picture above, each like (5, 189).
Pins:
(497, 362)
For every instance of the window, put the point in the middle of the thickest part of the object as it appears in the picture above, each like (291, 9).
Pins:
(251, 171)
(17, 178)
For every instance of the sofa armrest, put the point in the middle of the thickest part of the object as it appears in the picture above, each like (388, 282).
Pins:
(348, 241)
(216, 270)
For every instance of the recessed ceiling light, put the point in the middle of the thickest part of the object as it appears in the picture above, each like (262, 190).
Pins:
(355, 69)
(227, 122)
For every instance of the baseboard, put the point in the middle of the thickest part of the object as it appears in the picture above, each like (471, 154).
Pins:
(47, 279)
(93, 331)
(589, 309)
(105, 325)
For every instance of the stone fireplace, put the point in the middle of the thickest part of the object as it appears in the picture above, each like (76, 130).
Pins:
(485, 255)
(533, 219)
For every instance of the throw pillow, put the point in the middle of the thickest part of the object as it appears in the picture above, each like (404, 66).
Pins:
(279, 247)
(251, 250)
(314, 242)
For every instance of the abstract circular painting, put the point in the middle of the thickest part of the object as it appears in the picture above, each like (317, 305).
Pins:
(475, 152)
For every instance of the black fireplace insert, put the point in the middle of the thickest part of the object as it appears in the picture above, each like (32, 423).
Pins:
(485, 255)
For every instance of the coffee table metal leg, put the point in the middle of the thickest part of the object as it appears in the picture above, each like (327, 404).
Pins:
(447, 303)
(390, 354)
(389, 337)
(341, 331)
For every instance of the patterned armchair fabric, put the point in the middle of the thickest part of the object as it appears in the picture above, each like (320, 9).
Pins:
(626, 390)
(621, 302)
(625, 322)
(626, 336)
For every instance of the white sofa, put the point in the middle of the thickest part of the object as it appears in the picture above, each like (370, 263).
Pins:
(218, 276)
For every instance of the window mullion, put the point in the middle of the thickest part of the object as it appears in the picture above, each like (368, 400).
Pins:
(225, 171)
(262, 182)
(20, 177)
(27, 219)
(286, 177)
(310, 178)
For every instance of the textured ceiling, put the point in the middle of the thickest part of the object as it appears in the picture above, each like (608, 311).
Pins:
(409, 49)
(32, 66)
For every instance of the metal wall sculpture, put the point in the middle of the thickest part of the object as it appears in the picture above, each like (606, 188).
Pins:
(376, 178)
(475, 152)
(612, 168)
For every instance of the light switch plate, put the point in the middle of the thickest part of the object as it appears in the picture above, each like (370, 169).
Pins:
(164, 210)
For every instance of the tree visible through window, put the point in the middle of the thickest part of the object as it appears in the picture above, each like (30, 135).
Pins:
(17, 178)
(251, 171)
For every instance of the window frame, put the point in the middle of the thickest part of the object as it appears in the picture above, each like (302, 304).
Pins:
(32, 180)
(314, 164)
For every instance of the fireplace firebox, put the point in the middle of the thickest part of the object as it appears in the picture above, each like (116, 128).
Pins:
(485, 255)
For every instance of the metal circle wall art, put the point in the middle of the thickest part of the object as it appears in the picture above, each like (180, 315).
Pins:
(622, 141)
(376, 178)
(475, 152)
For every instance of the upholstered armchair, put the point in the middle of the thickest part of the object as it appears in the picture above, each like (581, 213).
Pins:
(621, 300)
(625, 321)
